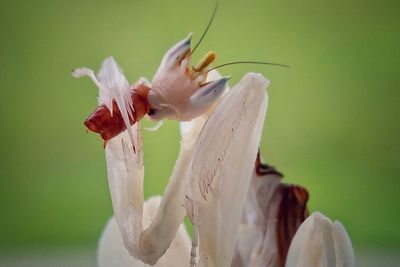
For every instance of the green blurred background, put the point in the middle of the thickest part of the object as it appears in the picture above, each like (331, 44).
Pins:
(332, 122)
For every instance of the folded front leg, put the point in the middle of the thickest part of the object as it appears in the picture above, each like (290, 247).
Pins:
(126, 175)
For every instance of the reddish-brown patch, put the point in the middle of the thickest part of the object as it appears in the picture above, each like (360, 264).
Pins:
(292, 212)
(108, 126)
(264, 169)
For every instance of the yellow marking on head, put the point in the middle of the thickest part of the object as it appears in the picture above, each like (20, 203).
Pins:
(206, 61)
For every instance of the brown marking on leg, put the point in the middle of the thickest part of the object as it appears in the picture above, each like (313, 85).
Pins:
(265, 169)
(292, 212)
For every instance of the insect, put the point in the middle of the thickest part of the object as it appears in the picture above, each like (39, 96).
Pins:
(216, 159)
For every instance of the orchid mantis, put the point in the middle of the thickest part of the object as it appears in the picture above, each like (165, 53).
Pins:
(214, 181)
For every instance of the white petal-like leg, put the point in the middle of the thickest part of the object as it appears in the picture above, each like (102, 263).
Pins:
(319, 243)
(223, 161)
(125, 177)
(112, 252)
(256, 245)
(126, 173)
(343, 248)
(156, 239)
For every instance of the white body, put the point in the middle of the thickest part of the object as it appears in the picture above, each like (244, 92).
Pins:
(211, 178)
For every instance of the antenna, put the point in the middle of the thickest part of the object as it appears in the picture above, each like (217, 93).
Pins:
(249, 62)
(208, 27)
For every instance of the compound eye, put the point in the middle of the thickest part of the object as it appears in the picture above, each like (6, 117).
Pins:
(152, 112)
(161, 113)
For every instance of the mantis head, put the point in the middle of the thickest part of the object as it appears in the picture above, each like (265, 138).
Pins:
(180, 90)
